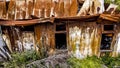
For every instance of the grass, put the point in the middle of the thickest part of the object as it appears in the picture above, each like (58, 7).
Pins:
(89, 62)
(110, 62)
(19, 60)
(94, 62)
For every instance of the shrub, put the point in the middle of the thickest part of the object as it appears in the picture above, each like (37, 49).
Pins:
(89, 62)
(19, 60)
(110, 62)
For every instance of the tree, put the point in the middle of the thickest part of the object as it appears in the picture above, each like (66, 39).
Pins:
(117, 2)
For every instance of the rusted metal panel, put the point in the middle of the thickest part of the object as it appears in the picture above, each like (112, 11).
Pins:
(20, 8)
(74, 6)
(47, 6)
(44, 35)
(66, 7)
(54, 8)
(86, 33)
(61, 8)
(29, 8)
(23, 9)
(11, 10)
(38, 8)
(3, 9)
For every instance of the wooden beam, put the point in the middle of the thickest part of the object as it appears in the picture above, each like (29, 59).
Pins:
(110, 17)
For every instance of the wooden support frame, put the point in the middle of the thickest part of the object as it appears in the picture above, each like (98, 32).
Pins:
(62, 31)
(105, 32)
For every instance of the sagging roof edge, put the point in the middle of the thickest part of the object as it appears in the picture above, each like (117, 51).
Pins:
(53, 19)
(24, 22)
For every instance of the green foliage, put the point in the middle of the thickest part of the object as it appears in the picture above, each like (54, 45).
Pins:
(89, 62)
(19, 60)
(110, 62)
(108, 1)
(94, 62)
(117, 2)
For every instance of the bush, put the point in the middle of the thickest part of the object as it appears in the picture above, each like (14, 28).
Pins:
(89, 62)
(110, 62)
(19, 60)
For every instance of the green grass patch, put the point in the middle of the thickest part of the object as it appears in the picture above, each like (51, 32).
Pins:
(89, 62)
(19, 60)
(110, 62)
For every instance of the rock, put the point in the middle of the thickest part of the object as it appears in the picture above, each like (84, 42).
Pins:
(58, 60)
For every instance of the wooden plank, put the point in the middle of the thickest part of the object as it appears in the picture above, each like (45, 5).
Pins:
(110, 17)
(51, 35)
(58, 32)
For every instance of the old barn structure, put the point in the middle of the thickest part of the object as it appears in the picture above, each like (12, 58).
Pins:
(95, 34)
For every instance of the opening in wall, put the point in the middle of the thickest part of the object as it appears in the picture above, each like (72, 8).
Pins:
(106, 41)
(108, 27)
(28, 28)
(60, 35)
(61, 27)
(60, 40)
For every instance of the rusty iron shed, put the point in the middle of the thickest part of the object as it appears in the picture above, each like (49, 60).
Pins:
(89, 32)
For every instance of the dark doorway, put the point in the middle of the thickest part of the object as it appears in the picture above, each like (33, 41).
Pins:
(60, 40)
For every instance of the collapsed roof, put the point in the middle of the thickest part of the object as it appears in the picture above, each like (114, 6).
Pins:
(23, 9)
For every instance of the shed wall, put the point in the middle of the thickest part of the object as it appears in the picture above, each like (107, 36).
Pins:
(44, 36)
(85, 34)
